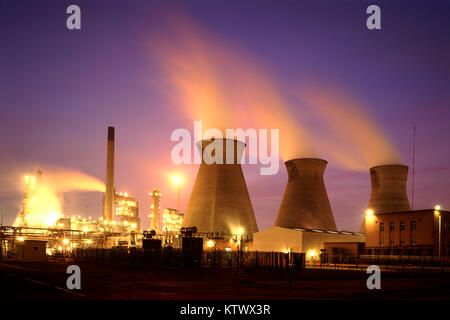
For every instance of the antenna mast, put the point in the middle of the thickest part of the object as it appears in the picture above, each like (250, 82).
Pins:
(413, 166)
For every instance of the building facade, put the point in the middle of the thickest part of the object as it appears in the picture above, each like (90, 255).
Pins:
(309, 241)
(127, 212)
(172, 220)
(414, 233)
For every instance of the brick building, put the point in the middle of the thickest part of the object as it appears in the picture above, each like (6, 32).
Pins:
(415, 233)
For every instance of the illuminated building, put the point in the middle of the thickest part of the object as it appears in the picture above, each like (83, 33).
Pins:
(155, 209)
(172, 220)
(127, 211)
(308, 241)
(416, 233)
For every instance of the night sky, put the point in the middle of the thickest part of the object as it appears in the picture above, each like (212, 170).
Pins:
(60, 89)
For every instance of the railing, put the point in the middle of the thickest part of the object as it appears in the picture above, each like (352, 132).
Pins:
(386, 262)
(183, 258)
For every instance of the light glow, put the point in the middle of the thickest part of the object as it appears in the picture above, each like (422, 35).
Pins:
(176, 180)
(312, 253)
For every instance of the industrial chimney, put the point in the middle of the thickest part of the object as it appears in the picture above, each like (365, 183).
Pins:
(305, 201)
(108, 206)
(220, 201)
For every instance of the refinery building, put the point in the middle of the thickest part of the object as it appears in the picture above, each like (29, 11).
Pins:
(220, 215)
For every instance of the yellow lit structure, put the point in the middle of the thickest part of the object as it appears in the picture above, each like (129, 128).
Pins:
(127, 211)
(155, 209)
(40, 205)
(172, 220)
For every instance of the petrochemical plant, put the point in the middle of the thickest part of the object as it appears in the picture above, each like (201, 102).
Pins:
(220, 213)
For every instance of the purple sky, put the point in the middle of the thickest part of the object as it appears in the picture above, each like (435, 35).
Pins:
(60, 89)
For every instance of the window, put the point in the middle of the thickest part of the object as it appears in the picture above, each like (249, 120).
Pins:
(402, 226)
(391, 226)
(413, 242)
(413, 225)
(391, 242)
(381, 226)
(381, 243)
(402, 242)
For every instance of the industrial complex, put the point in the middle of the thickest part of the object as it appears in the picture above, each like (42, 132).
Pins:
(219, 217)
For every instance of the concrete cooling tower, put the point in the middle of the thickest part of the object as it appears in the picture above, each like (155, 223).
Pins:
(305, 201)
(219, 200)
(389, 188)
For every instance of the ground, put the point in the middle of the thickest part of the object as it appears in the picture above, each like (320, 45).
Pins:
(37, 281)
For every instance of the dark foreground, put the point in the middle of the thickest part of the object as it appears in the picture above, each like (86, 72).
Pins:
(38, 281)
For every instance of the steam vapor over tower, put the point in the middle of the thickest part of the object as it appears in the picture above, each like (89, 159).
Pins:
(389, 188)
(219, 200)
(305, 201)
(108, 206)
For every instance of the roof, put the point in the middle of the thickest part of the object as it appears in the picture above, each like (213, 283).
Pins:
(326, 231)
(412, 211)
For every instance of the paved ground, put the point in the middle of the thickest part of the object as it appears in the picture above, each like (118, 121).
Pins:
(37, 281)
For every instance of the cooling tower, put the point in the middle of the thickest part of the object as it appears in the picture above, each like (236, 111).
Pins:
(305, 201)
(389, 188)
(108, 205)
(219, 200)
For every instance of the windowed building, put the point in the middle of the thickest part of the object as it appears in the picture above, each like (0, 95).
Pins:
(419, 233)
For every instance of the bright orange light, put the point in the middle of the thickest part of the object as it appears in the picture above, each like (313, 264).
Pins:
(437, 207)
(369, 212)
(240, 231)
(312, 253)
(176, 180)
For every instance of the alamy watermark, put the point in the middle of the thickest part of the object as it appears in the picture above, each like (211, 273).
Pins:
(257, 142)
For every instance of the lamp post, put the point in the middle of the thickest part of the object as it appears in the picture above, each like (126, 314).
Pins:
(177, 181)
(240, 233)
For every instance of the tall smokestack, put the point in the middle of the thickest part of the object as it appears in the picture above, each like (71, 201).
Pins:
(220, 201)
(305, 201)
(108, 213)
(389, 188)
(155, 209)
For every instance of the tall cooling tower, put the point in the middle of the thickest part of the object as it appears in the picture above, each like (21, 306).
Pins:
(305, 201)
(389, 188)
(220, 201)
